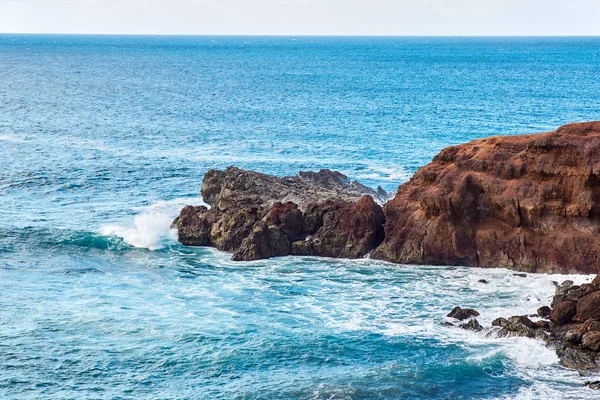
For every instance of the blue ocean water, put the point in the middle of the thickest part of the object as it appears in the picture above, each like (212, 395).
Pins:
(104, 138)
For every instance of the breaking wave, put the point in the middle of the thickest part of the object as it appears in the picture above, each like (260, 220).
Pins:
(151, 227)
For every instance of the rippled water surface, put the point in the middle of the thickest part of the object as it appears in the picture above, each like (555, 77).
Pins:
(104, 139)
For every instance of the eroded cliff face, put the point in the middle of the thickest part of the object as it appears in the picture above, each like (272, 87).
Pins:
(529, 202)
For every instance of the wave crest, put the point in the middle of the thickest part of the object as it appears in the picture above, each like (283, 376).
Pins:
(151, 228)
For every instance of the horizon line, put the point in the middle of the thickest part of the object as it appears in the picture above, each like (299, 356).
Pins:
(305, 35)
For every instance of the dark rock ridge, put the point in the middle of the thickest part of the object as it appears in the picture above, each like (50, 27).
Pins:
(235, 188)
(571, 326)
(257, 216)
(529, 202)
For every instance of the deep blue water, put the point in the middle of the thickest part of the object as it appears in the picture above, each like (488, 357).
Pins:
(103, 139)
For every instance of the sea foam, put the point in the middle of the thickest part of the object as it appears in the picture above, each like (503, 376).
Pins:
(151, 226)
(7, 138)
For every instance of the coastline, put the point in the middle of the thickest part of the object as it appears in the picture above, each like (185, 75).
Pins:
(529, 203)
(500, 201)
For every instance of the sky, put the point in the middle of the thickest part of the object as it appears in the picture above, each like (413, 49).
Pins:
(303, 17)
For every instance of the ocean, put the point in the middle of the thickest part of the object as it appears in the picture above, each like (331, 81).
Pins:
(104, 138)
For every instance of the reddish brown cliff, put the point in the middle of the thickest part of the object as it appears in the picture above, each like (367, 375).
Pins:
(529, 202)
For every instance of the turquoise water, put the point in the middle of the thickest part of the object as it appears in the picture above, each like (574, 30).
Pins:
(103, 139)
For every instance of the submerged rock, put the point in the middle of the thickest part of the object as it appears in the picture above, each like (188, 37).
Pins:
(472, 325)
(529, 202)
(521, 325)
(595, 385)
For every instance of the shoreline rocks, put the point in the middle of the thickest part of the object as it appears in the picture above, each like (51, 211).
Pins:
(252, 216)
(528, 202)
(576, 342)
(462, 313)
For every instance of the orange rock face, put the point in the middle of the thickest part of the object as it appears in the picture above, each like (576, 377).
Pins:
(529, 202)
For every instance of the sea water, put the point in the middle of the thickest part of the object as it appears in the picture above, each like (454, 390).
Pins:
(104, 138)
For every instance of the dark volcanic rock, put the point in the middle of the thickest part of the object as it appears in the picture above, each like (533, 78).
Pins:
(228, 232)
(462, 313)
(263, 242)
(595, 385)
(330, 229)
(472, 325)
(568, 291)
(236, 188)
(289, 218)
(248, 218)
(544, 312)
(563, 312)
(529, 202)
(348, 230)
(576, 358)
(588, 307)
(194, 225)
(574, 336)
(577, 344)
(521, 325)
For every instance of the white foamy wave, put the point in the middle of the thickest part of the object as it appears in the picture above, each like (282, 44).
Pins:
(523, 351)
(380, 173)
(149, 231)
(7, 138)
(151, 227)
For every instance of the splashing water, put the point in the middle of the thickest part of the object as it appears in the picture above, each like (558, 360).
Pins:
(152, 226)
(98, 300)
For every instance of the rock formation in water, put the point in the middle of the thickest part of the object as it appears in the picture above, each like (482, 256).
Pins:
(258, 216)
(529, 202)
(235, 188)
(572, 326)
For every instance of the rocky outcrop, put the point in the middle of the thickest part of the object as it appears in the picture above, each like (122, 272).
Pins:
(342, 230)
(236, 188)
(575, 337)
(462, 313)
(330, 216)
(529, 202)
